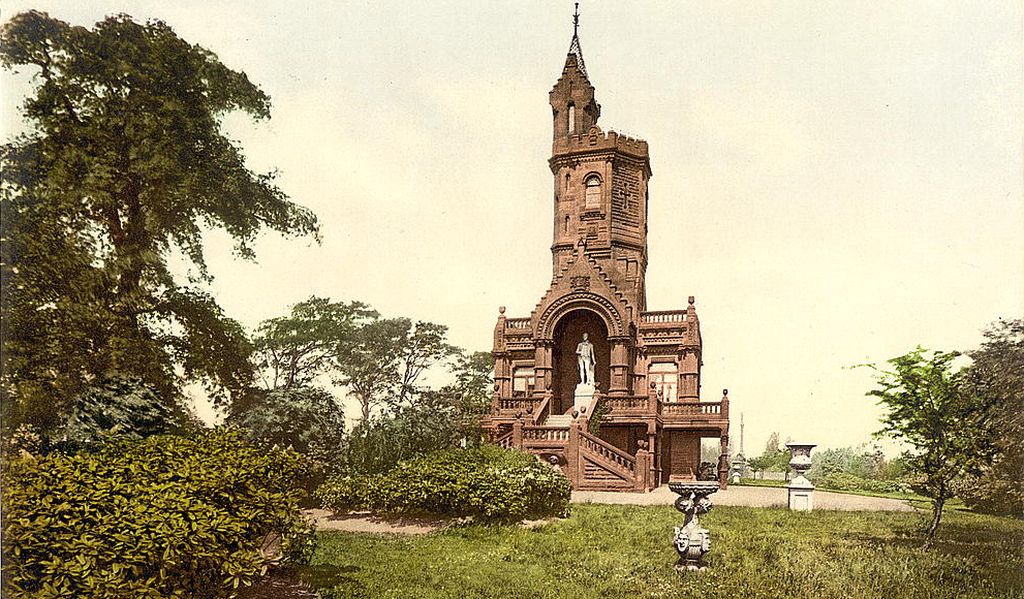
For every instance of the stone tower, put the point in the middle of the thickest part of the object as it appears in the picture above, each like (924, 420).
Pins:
(600, 182)
(644, 386)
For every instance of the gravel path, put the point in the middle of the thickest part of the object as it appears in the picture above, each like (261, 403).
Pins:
(364, 522)
(751, 497)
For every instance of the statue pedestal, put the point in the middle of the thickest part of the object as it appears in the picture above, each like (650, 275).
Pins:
(583, 396)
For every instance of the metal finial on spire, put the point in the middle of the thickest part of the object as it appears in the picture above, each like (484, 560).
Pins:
(574, 46)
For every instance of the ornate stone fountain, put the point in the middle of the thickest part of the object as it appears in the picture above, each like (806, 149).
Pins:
(801, 490)
(691, 540)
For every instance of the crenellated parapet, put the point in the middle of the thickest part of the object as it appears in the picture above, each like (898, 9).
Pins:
(571, 147)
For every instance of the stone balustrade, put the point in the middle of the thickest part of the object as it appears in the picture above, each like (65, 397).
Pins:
(663, 317)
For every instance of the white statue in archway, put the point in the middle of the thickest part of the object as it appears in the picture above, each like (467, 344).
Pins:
(585, 358)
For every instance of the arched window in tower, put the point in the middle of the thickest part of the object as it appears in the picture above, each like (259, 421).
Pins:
(593, 193)
(572, 119)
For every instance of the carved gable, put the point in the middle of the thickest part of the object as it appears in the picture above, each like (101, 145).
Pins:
(583, 284)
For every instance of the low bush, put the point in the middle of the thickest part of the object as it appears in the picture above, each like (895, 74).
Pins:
(162, 517)
(488, 484)
(841, 481)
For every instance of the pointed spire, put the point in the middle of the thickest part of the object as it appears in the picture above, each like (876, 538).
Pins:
(574, 46)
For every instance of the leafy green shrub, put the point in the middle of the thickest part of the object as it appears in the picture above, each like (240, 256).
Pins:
(345, 493)
(116, 405)
(161, 517)
(842, 481)
(487, 483)
(306, 419)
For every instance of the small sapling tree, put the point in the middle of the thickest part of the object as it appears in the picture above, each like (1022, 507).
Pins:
(930, 407)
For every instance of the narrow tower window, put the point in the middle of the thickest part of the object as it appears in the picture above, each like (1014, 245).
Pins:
(593, 192)
(572, 119)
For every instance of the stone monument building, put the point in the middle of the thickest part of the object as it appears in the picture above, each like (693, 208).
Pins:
(640, 420)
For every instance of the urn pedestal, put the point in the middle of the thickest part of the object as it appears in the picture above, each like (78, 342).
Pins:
(691, 540)
(801, 490)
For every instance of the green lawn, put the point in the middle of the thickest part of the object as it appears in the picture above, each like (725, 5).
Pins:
(918, 501)
(625, 551)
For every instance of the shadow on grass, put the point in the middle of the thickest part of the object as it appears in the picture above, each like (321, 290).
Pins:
(325, 576)
(953, 539)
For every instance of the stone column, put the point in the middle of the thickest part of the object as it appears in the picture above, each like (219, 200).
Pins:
(644, 467)
(723, 461)
(517, 433)
(502, 375)
(542, 367)
(619, 366)
(572, 454)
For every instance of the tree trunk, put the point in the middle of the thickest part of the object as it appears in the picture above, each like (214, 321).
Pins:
(936, 517)
(364, 403)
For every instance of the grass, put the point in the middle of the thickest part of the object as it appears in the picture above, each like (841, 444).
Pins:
(625, 551)
(757, 482)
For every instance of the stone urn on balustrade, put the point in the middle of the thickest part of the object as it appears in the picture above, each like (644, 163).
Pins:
(801, 490)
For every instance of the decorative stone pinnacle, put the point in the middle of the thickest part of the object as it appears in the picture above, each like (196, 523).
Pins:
(690, 299)
(501, 309)
(725, 392)
(574, 46)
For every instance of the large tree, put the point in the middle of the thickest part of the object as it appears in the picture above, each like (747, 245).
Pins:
(436, 419)
(930, 407)
(293, 350)
(382, 367)
(998, 373)
(124, 165)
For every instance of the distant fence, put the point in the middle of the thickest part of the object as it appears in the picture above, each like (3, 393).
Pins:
(760, 475)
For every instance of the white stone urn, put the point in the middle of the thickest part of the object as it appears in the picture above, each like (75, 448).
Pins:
(801, 491)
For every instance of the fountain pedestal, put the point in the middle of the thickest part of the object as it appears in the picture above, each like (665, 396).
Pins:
(691, 540)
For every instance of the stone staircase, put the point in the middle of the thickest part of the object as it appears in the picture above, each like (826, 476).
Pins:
(559, 420)
(590, 462)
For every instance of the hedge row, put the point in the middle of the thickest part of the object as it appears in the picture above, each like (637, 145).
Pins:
(164, 517)
(488, 484)
(841, 481)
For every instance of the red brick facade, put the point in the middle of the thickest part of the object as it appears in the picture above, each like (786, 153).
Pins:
(647, 363)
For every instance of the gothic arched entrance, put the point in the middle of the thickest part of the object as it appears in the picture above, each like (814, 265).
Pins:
(568, 333)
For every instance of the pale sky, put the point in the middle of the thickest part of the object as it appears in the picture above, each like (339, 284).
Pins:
(836, 183)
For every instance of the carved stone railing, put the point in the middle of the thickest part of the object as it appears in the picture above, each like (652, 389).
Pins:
(544, 436)
(691, 408)
(607, 451)
(663, 317)
(628, 405)
(541, 411)
(517, 323)
(505, 442)
(514, 404)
